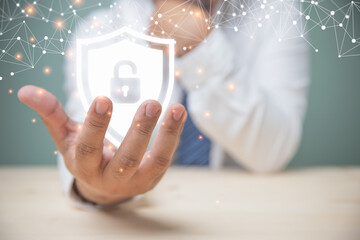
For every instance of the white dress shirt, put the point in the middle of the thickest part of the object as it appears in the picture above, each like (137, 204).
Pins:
(249, 97)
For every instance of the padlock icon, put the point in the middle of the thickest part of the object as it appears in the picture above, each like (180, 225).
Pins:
(125, 89)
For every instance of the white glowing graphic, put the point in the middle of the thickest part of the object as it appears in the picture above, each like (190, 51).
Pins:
(128, 67)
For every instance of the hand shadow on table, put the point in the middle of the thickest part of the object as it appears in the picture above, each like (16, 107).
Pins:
(130, 218)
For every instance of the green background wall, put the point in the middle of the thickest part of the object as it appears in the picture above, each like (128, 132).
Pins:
(331, 129)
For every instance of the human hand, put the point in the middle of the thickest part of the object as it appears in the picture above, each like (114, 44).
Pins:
(188, 30)
(104, 174)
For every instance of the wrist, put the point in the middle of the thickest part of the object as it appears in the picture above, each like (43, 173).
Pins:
(89, 195)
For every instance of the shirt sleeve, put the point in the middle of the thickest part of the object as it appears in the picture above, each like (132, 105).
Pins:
(251, 103)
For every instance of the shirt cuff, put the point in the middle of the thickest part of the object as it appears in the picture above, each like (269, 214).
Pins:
(81, 202)
(213, 57)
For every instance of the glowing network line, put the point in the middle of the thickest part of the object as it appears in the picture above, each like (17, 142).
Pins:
(22, 45)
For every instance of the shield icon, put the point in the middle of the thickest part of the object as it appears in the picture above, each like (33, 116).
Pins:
(127, 66)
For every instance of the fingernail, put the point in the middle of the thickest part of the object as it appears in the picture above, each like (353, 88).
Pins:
(177, 114)
(101, 106)
(152, 110)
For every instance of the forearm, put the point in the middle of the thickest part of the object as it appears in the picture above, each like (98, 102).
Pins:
(248, 106)
(256, 132)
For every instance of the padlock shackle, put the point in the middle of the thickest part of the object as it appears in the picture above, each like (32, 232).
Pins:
(125, 63)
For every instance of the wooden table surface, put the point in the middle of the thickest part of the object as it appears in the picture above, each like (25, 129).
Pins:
(190, 203)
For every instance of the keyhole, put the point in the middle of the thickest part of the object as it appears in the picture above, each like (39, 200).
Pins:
(125, 90)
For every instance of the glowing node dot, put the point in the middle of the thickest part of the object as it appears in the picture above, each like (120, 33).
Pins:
(44, 51)
(56, 152)
(121, 170)
(10, 91)
(41, 92)
(69, 54)
(231, 86)
(79, 126)
(47, 70)
(18, 56)
(217, 201)
(59, 24)
(46, 37)
(200, 137)
(18, 38)
(159, 15)
(12, 74)
(32, 39)
(207, 114)
(1, 78)
(200, 71)
(30, 10)
(177, 74)
(33, 120)
(138, 125)
(353, 40)
(77, 2)
(332, 13)
(148, 156)
(323, 27)
(109, 113)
